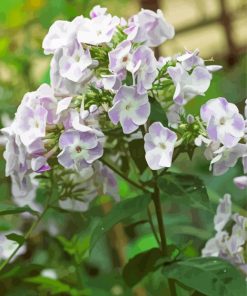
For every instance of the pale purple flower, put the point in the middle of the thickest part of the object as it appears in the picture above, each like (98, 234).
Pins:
(30, 124)
(111, 82)
(120, 59)
(224, 123)
(189, 85)
(224, 245)
(98, 30)
(223, 213)
(64, 87)
(159, 146)
(174, 114)
(105, 181)
(225, 158)
(144, 68)
(130, 109)
(79, 149)
(150, 28)
(75, 62)
(191, 59)
(61, 34)
(216, 246)
(97, 11)
(241, 182)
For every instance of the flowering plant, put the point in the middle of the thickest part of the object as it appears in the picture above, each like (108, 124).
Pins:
(112, 108)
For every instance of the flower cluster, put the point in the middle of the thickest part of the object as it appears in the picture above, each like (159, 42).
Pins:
(225, 137)
(230, 246)
(103, 72)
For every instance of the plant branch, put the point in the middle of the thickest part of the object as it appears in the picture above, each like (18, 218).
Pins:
(163, 240)
(27, 235)
(152, 226)
(121, 174)
(32, 227)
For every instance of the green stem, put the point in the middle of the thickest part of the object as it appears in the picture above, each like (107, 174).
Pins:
(27, 235)
(152, 226)
(124, 176)
(33, 226)
(163, 240)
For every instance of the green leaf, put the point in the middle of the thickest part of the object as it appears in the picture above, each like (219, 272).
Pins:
(190, 187)
(157, 112)
(140, 265)
(48, 284)
(136, 148)
(10, 210)
(121, 211)
(210, 276)
(16, 237)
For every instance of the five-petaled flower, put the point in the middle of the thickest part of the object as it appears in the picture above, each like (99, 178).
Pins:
(130, 109)
(159, 146)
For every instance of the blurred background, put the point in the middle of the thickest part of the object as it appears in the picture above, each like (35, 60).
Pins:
(216, 27)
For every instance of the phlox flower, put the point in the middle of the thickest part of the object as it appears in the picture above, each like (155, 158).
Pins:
(61, 34)
(74, 62)
(224, 122)
(225, 245)
(130, 109)
(98, 30)
(79, 149)
(159, 146)
(188, 85)
(120, 59)
(150, 28)
(144, 68)
(226, 158)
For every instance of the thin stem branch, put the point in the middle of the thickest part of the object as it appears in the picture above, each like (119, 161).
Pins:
(27, 235)
(32, 227)
(158, 209)
(121, 174)
(152, 226)
(163, 240)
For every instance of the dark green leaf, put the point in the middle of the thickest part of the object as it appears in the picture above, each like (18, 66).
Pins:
(16, 237)
(121, 211)
(157, 113)
(136, 148)
(190, 187)
(140, 265)
(210, 276)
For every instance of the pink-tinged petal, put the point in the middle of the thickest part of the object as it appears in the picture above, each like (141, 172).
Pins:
(166, 159)
(142, 114)
(67, 139)
(88, 140)
(241, 182)
(114, 112)
(128, 125)
(63, 104)
(64, 158)
(224, 212)
(94, 153)
(153, 159)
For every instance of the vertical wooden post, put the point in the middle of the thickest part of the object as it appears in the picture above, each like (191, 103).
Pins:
(152, 5)
(227, 25)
